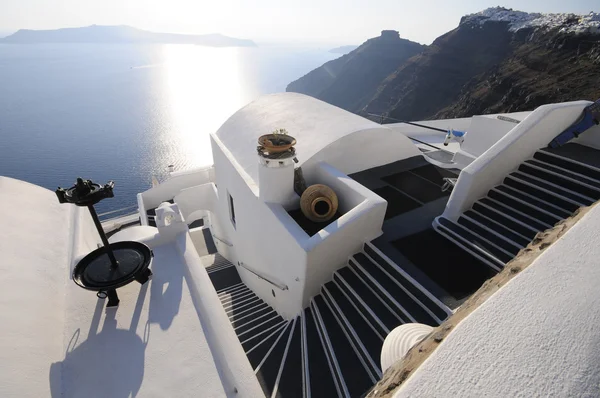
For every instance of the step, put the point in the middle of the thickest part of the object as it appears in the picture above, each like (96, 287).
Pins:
(439, 310)
(259, 349)
(492, 236)
(504, 220)
(322, 380)
(517, 215)
(232, 305)
(290, 378)
(239, 314)
(433, 174)
(494, 252)
(574, 197)
(242, 296)
(363, 335)
(267, 370)
(567, 173)
(493, 263)
(363, 296)
(523, 206)
(452, 267)
(356, 378)
(251, 341)
(225, 278)
(258, 323)
(399, 312)
(230, 289)
(535, 201)
(415, 186)
(360, 306)
(260, 313)
(258, 327)
(567, 163)
(390, 287)
(493, 225)
(516, 183)
(560, 180)
(239, 309)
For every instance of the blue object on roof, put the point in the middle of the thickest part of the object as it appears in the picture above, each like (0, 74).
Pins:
(589, 118)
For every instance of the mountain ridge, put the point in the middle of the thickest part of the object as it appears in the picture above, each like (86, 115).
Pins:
(351, 80)
(497, 60)
(120, 34)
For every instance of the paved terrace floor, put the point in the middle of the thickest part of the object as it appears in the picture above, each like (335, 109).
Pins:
(152, 345)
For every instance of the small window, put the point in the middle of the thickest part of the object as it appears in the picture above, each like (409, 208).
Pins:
(231, 210)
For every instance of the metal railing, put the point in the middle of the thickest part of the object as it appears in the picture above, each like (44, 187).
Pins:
(222, 240)
(279, 285)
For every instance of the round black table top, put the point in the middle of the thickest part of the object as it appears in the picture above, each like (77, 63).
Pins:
(96, 272)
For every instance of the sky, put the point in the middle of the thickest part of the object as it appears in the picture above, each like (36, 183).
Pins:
(307, 21)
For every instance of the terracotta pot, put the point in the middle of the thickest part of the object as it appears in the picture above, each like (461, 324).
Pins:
(319, 203)
(267, 141)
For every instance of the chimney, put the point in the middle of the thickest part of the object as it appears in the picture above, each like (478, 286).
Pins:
(276, 175)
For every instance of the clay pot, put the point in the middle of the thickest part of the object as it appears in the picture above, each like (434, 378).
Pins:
(274, 143)
(319, 203)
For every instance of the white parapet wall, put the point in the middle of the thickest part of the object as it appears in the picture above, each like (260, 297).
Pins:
(196, 202)
(177, 181)
(505, 156)
(481, 135)
(235, 371)
(363, 213)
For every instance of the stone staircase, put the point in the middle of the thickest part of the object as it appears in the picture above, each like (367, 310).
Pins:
(333, 347)
(541, 192)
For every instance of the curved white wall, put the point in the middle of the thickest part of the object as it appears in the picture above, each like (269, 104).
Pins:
(361, 150)
(321, 130)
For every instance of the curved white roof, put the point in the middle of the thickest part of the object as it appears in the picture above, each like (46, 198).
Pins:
(314, 123)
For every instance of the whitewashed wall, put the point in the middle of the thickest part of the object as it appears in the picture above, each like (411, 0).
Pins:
(482, 134)
(260, 240)
(361, 222)
(487, 171)
(268, 240)
(362, 150)
(196, 202)
(176, 182)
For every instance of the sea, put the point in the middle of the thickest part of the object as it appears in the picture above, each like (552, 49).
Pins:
(125, 112)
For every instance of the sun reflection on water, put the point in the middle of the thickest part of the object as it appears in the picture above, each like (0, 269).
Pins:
(204, 87)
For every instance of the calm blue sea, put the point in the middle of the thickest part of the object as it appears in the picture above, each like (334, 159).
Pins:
(125, 112)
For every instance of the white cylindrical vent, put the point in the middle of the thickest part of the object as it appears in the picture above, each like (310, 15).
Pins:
(276, 181)
(400, 340)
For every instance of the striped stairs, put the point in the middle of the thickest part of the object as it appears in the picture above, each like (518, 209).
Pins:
(543, 191)
(332, 348)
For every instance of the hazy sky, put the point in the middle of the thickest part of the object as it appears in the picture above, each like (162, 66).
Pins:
(326, 21)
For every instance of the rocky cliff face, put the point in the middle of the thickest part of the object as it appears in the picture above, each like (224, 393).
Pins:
(498, 60)
(352, 80)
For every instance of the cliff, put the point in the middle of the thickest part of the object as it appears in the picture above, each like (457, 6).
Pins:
(497, 60)
(120, 34)
(352, 80)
